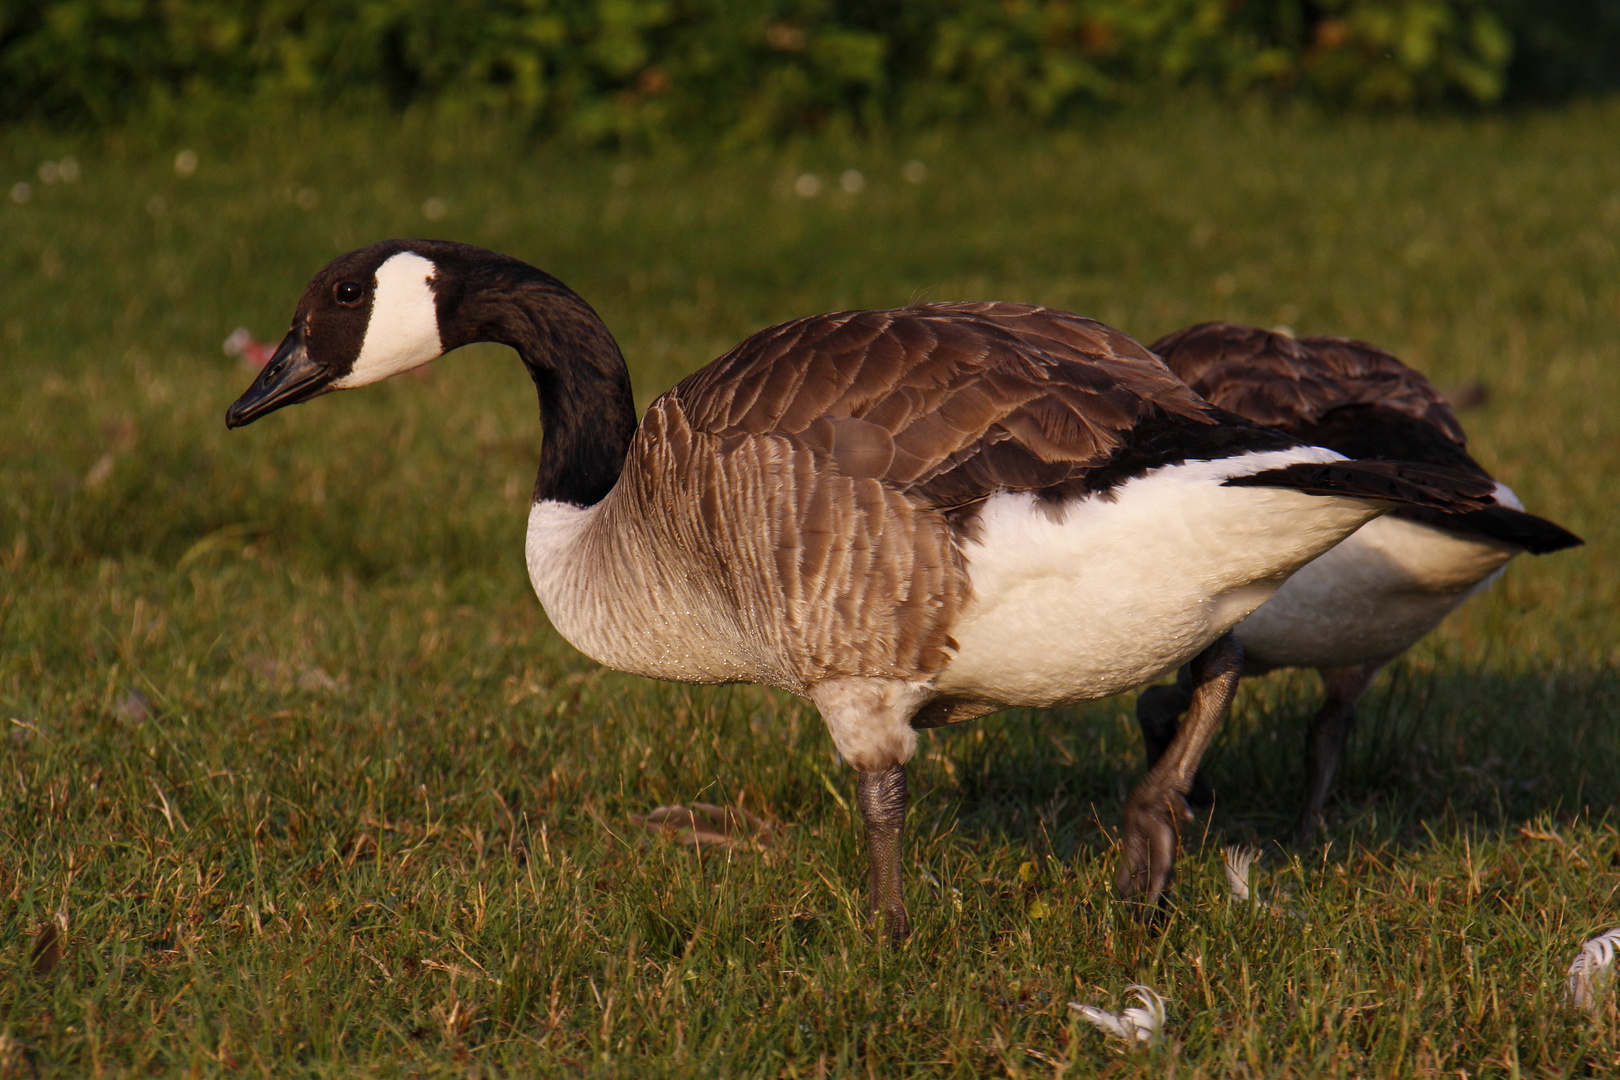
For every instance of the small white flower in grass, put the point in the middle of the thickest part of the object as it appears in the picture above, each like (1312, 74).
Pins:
(914, 172)
(49, 172)
(807, 186)
(67, 170)
(185, 163)
(1237, 861)
(852, 180)
(1140, 1026)
(1592, 972)
(21, 191)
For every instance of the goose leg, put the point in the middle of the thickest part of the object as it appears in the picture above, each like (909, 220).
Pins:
(870, 722)
(1330, 731)
(882, 799)
(1158, 806)
(1158, 714)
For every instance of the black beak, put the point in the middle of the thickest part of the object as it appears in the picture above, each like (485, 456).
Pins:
(290, 377)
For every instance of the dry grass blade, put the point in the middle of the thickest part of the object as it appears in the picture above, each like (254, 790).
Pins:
(1532, 832)
(703, 825)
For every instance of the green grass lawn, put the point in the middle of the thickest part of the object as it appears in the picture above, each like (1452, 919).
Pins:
(294, 753)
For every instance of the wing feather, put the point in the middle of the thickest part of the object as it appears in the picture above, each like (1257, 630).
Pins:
(976, 398)
(1291, 384)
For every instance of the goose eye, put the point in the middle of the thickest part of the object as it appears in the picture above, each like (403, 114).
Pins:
(348, 293)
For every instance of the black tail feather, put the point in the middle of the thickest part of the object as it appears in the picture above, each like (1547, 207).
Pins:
(1534, 534)
(1406, 483)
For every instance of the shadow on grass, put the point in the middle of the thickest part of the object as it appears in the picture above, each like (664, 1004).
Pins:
(1434, 751)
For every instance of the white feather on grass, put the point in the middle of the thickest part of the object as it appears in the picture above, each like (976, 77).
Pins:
(1139, 1026)
(1237, 861)
(1593, 970)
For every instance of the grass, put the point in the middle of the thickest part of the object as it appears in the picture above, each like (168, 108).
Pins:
(294, 754)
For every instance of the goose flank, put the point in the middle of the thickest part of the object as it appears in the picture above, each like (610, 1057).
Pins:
(909, 517)
(1372, 597)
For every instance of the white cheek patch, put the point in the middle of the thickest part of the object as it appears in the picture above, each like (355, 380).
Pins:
(404, 328)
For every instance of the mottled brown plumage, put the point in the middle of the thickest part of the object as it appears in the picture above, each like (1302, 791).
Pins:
(946, 403)
(830, 575)
(1291, 384)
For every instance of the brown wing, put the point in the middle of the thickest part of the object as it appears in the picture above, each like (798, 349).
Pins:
(1273, 379)
(946, 403)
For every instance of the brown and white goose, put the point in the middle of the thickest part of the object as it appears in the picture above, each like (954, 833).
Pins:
(1372, 597)
(910, 517)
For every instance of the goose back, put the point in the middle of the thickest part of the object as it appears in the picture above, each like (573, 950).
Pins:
(1293, 385)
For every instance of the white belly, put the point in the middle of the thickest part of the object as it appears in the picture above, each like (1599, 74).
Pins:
(1372, 597)
(1115, 590)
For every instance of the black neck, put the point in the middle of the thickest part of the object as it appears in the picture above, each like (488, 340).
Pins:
(585, 401)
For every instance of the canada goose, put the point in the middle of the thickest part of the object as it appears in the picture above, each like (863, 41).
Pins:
(910, 517)
(1373, 596)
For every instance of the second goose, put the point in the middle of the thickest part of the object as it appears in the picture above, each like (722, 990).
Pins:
(909, 517)
(1371, 598)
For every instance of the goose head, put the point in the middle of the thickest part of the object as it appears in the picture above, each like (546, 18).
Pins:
(398, 304)
(368, 315)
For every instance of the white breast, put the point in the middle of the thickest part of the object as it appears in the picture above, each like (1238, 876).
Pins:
(1373, 596)
(1117, 589)
(623, 607)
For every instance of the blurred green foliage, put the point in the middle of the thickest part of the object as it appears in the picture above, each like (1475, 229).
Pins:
(603, 69)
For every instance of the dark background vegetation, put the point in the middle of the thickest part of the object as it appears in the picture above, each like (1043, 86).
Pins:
(632, 69)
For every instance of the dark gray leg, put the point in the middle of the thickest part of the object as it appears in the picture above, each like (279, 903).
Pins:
(1155, 810)
(882, 799)
(1330, 731)
(1158, 714)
